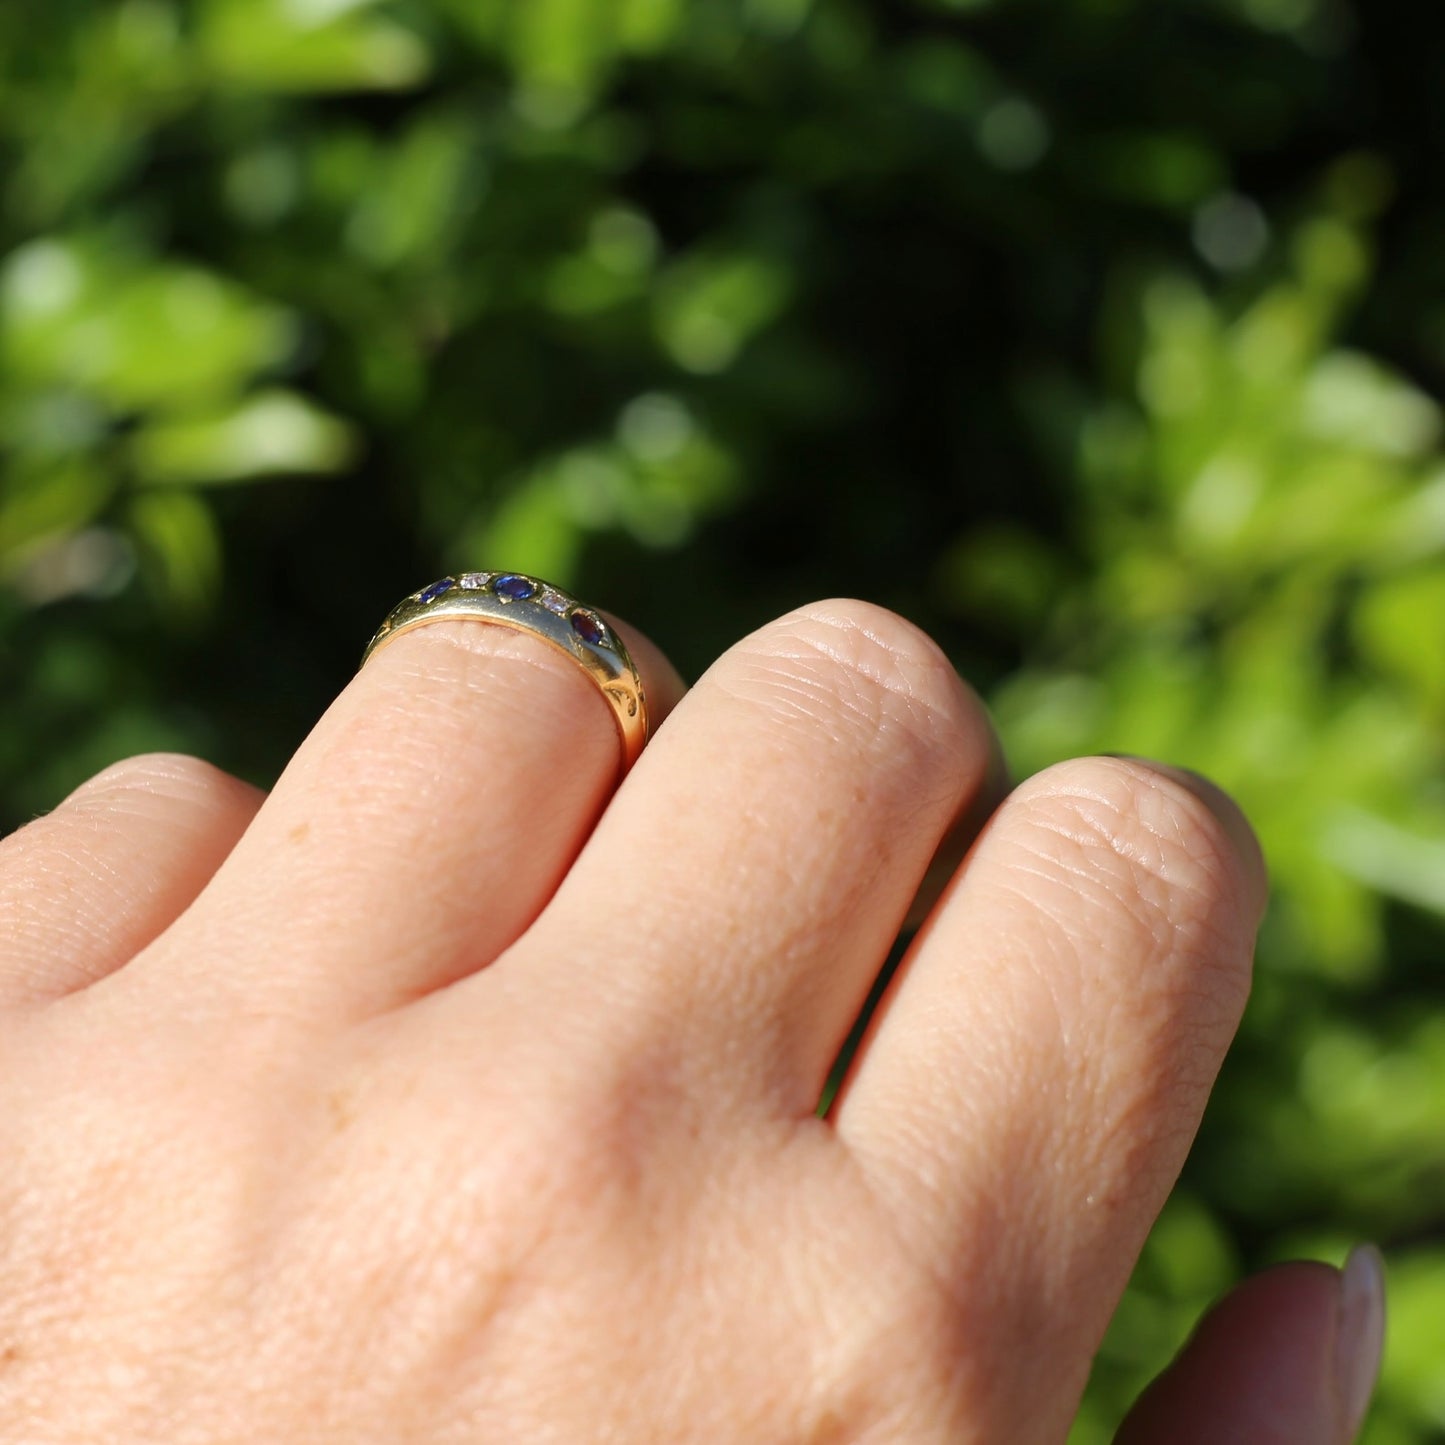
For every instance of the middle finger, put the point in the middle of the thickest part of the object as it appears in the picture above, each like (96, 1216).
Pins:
(748, 880)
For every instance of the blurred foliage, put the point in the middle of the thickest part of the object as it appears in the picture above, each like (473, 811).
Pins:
(1102, 337)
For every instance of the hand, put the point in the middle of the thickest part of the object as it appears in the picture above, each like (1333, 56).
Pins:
(427, 1101)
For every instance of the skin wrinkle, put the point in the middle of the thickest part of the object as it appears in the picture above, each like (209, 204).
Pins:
(464, 1301)
(1165, 907)
(1196, 829)
(912, 1137)
(1124, 877)
(1101, 856)
(907, 650)
(26, 917)
(975, 1315)
(838, 1387)
(925, 717)
(177, 777)
(1122, 1034)
(792, 698)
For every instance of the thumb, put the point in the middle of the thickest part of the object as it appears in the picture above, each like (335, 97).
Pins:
(1288, 1356)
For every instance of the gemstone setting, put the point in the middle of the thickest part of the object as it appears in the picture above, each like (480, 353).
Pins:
(513, 587)
(430, 594)
(475, 581)
(587, 627)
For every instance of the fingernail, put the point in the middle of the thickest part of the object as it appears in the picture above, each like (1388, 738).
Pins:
(1361, 1336)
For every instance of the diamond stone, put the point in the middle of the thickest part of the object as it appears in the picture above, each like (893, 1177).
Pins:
(474, 581)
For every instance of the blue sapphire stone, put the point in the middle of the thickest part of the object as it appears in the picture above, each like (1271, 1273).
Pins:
(587, 627)
(514, 588)
(430, 594)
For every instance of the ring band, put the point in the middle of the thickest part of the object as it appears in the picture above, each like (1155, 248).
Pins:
(528, 604)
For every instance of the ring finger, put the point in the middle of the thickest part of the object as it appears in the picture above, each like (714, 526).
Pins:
(419, 829)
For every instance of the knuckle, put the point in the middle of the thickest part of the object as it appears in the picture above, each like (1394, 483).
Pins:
(859, 670)
(149, 786)
(1137, 826)
(169, 775)
(1150, 870)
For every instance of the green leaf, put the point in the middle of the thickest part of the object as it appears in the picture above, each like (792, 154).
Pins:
(308, 45)
(50, 502)
(273, 433)
(131, 334)
(1398, 623)
(180, 553)
(708, 306)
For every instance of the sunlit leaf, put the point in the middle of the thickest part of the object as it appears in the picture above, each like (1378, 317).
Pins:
(308, 45)
(270, 434)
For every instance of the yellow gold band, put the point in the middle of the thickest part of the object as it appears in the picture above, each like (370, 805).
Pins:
(530, 605)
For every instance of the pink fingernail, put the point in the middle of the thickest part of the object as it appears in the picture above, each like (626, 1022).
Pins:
(1361, 1337)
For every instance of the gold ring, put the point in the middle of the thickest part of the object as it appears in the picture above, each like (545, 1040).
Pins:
(530, 605)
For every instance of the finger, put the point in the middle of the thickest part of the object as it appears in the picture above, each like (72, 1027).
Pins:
(86, 887)
(1029, 1089)
(761, 858)
(419, 828)
(1290, 1355)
